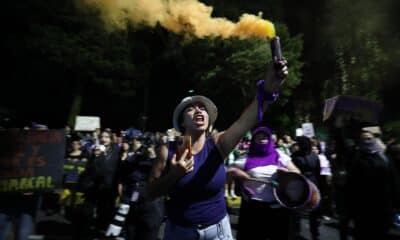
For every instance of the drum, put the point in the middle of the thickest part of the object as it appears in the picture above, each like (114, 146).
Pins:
(295, 191)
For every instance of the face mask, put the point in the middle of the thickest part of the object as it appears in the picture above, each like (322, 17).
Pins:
(260, 149)
(370, 146)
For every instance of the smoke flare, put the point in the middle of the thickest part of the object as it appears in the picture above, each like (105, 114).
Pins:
(180, 16)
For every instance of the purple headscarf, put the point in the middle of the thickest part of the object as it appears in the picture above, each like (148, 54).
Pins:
(262, 154)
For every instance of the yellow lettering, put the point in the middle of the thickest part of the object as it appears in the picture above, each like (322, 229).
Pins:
(80, 198)
(16, 184)
(26, 183)
(3, 186)
(49, 182)
(13, 184)
(81, 169)
(40, 182)
(68, 167)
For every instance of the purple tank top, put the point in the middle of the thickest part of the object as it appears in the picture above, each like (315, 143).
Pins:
(198, 197)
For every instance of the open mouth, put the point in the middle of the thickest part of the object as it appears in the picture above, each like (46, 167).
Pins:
(199, 119)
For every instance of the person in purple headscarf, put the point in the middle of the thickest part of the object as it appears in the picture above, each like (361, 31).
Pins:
(258, 201)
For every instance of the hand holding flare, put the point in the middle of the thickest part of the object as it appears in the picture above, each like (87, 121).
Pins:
(183, 162)
(278, 70)
(186, 144)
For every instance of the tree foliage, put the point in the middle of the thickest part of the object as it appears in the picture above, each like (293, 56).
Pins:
(227, 70)
(67, 55)
(349, 48)
(65, 51)
(361, 61)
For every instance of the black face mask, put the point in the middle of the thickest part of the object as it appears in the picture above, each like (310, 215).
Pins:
(370, 146)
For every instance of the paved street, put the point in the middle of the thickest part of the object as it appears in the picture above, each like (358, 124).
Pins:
(55, 227)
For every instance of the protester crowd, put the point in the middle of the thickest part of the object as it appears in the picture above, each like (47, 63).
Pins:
(106, 173)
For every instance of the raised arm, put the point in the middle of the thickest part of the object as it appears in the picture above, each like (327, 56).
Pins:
(228, 139)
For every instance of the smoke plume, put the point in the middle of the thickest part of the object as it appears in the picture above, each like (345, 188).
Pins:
(180, 16)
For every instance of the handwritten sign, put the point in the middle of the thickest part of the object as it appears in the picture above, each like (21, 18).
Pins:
(308, 129)
(31, 160)
(87, 123)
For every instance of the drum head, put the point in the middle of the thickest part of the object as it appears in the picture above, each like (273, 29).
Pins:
(293, 190)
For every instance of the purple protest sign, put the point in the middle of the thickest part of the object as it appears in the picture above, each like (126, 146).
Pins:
(358, 108)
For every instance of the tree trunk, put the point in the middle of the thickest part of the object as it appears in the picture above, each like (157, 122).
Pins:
(76, 105)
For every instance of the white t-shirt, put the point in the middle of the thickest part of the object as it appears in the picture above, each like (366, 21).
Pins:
(262, 191)
(240, 161)
(325, 165)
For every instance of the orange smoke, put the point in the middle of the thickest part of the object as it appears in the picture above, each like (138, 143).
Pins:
(180, 16)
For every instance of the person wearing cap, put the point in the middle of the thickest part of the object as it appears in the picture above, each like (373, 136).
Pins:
(194, 181)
